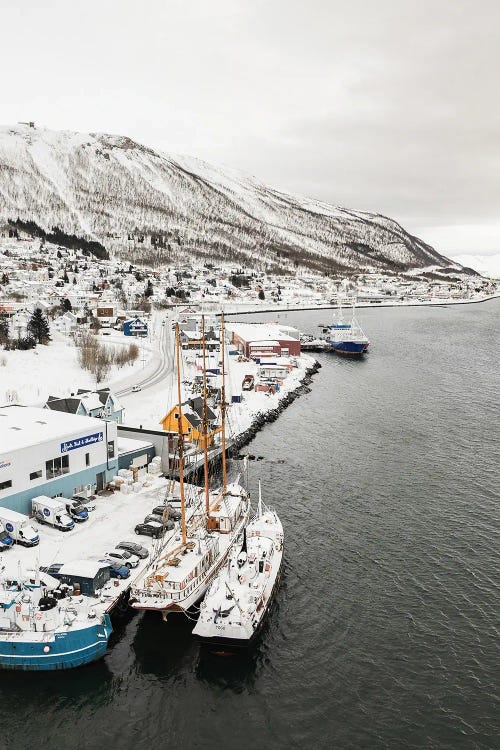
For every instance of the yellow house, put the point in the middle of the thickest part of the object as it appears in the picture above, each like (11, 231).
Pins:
(192, 412)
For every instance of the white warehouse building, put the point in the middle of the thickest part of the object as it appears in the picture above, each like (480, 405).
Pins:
(45, 452)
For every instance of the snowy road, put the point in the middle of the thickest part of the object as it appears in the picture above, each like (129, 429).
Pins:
(157, 370)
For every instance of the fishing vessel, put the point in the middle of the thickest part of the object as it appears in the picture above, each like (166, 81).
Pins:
(347, 338)
(239, 599)
(43, 628)
(182, 569)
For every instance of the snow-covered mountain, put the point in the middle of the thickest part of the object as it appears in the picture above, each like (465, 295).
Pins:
(142, 203)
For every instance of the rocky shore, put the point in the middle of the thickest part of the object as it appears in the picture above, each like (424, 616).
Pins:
(263, 418)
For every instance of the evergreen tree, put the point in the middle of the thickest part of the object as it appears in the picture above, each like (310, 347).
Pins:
(262, 295)
(148, 292)
(66, 277)
(38, 327)
(5, 279)
(66, 305)
(4, 329)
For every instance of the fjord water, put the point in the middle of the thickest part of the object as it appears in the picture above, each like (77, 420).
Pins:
(384, 633)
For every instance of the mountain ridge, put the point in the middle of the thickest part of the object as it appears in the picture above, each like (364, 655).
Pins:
(116, 191)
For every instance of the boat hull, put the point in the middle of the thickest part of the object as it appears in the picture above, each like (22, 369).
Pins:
(218, 642)
(349, 348)
(54, 651)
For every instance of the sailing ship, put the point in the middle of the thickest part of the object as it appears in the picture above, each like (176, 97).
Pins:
(43, 627)
(179, 574)
(347, 338)
(238, 601)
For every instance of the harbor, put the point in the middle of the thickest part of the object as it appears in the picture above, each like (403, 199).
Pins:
(397, 555)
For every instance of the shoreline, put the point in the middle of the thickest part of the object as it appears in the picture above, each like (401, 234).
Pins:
(362, 305)
(263, 418)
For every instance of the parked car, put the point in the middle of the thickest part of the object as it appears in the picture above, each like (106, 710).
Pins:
(52, 569)
(116, 569)
(151, 528)
(173, 513)
(123, 557)
(134, 548)
(77, 511)
(167, 523)
(88, 502)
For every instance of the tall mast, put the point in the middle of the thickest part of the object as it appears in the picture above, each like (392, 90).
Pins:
(223, 404)
(204, 428)
(180, 440)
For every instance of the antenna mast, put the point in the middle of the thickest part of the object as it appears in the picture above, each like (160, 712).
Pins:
(205, 420)
(223, 404)
(180, 441)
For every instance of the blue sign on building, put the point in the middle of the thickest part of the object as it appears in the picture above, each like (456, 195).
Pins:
(83, 442)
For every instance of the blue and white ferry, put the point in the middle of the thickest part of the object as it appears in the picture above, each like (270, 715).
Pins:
(43, 628)
(347, 338)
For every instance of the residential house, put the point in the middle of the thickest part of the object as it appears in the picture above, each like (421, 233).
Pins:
(135, 327)
(192, 422)
(100, 404)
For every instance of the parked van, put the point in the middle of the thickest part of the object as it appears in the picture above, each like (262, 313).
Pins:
(52, 510)
(19, 527)
(6, 540)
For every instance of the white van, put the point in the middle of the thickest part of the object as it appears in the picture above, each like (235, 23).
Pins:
(19, 527)
(52, 510)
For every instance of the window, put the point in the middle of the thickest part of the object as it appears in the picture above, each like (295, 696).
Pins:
(6, 484)
(111, 448)
(36, 474)
(57, 466)
(87, 459)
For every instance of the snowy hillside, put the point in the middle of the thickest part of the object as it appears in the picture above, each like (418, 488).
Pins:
(144, 204)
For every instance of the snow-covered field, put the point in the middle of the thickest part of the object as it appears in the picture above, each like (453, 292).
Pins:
(29, 377)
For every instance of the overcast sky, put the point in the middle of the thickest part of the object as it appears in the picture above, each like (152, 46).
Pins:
(383, 105)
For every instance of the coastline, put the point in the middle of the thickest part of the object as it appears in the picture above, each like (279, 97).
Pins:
(265, 417)
(360, 305)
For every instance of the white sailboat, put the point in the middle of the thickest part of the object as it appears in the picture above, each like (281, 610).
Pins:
(179, 575)
(238, 601)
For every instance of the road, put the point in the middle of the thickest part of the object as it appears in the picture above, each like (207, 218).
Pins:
(155, 374)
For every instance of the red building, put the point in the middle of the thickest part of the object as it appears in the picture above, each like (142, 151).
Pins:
(264, 339)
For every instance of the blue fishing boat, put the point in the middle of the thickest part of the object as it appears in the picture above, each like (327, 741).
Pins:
(44, 628)
(347, 338)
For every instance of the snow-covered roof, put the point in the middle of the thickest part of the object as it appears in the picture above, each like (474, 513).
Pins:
(262, 332)
(127, 445)
(22, 426)
(85, 568)
(268, 342)
(91, 401)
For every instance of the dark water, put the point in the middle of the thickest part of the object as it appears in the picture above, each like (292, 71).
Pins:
(385, 632)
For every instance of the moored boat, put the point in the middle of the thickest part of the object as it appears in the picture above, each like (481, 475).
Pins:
(180, 572)
(44, 629)
(238, 601)
(347, 338)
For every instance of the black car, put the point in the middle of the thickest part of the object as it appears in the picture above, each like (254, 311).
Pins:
(166, 522)
(173, 513)
(134, 549)
(151, 528)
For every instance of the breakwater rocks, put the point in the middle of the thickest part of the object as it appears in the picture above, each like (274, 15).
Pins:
(272, 415)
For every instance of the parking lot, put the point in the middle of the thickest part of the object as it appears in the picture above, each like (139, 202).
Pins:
(111, 522)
